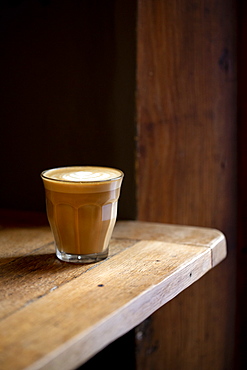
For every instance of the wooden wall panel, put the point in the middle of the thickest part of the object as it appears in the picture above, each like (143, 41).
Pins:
(242, 181)
(186, 168)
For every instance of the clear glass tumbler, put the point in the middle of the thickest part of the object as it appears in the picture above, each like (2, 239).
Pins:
(81, 203)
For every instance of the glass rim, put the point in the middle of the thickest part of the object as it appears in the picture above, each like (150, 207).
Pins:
(81, 182)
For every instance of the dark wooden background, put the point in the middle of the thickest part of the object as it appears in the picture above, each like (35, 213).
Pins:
(187, 124)
(67, 93)
(156, 88)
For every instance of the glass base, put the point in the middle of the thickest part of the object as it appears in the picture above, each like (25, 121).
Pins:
(81, 258)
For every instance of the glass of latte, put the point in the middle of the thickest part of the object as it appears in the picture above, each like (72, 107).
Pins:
(81, 204)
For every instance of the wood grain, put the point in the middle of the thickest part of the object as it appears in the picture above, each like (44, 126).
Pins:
(29, 262)
(186, 167)
(242, 186)
(186, 235)
(58, 315)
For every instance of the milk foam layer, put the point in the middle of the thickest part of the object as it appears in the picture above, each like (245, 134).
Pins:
(83, 174)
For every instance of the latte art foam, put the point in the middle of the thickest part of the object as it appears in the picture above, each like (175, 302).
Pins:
(83, 174)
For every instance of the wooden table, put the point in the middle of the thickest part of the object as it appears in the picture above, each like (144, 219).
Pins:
(56, 315)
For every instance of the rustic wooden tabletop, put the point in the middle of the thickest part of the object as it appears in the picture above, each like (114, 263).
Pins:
(58, 315)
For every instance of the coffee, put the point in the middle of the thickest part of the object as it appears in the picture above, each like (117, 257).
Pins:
(82, 209)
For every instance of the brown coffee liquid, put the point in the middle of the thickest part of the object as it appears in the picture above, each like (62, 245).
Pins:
(82, 223)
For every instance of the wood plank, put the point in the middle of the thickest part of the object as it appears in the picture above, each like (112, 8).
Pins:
(186, 167)
(30, 262)
(23, 240)
(242, 194)
(186, 137)
(186, 235)
(66, 313)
